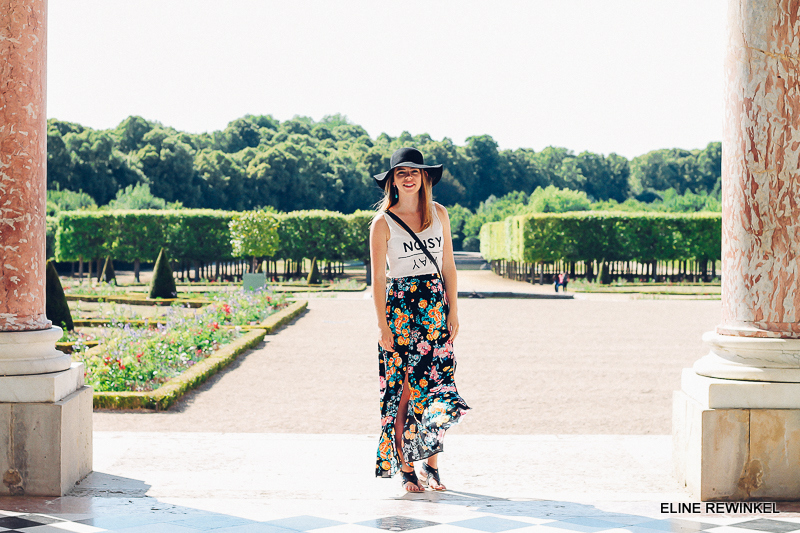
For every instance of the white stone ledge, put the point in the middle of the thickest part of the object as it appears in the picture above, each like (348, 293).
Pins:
(715, 393)
(42, 388)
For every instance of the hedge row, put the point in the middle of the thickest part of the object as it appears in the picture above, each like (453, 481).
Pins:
(203, 235)
(609, 236)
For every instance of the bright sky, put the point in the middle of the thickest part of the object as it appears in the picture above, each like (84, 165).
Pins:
(625, 76)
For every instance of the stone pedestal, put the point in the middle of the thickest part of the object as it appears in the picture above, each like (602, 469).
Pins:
(737, 440)
(45, 432)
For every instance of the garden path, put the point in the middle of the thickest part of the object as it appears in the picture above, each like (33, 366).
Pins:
(583, 366)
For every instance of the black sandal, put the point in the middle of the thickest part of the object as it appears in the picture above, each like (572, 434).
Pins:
(409, 477)
(431, 472)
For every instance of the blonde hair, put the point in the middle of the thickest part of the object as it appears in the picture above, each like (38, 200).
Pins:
(425, 198)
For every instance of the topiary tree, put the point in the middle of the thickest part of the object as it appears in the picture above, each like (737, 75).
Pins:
(313, 274)
(163, 284)
(254, 235)
(108, 274)
(56, 307)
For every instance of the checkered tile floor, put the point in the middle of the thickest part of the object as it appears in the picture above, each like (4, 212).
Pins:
(218, 523)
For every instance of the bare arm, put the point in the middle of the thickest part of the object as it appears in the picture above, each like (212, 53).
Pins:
(378, 239)
(449, 273)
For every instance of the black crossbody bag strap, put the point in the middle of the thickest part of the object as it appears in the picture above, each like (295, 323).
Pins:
(419, 242)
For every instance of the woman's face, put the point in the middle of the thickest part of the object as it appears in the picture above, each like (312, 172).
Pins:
(407, 180)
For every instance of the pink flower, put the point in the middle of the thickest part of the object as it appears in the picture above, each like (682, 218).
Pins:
(423, 347)
(443, 352)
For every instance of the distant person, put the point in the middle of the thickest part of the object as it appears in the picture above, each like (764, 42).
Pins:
(565, 281)
(559, 281)
(417, 321)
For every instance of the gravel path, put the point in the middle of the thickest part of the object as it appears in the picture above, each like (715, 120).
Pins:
(583, 366)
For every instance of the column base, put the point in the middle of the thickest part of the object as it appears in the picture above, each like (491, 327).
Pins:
(750, 358)
(45, 433)
(735, 453)
(31, 352)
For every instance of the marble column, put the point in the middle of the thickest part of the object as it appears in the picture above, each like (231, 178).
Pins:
(759, 338)
(736, 419)
(45, 408)
(30, 349)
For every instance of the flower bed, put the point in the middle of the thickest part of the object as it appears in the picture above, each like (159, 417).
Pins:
(172, 390)
(243, 308)
(143, 356)
(77, 340)
(141, 359)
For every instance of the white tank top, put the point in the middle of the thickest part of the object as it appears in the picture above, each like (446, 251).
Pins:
(403, 253)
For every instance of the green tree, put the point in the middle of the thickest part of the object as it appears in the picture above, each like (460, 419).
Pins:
(167, 163)
(254, 234)
(240, 134)
(96, 166)
(486, 164)
(137, 197)
(459, 216)
(549, 161)
(130, 133)
(709, 164)
(605, 177)
(64, 200)
(660, 170)
(222, 181)
(59, 162)
(555, 200)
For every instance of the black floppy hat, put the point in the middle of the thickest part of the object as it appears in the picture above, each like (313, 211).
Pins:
(409, 157)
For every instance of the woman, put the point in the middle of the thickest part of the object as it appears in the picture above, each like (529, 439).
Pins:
(417, 321)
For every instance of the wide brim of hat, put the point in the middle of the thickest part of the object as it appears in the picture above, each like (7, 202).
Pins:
(434, 171)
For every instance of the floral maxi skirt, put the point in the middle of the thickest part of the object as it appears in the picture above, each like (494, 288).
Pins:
(416, 309)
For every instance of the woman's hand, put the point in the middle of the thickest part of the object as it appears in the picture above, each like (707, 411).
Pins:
(385, 337)
(452, 325)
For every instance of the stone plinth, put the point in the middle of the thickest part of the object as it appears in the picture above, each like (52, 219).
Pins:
(733, 452)
(45, 432)
(42, 388)
(47, 447)
(713, 393)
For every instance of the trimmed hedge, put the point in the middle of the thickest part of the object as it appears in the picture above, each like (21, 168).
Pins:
(274, 322)
(204, 235)
(598, 235)
(186, 234)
